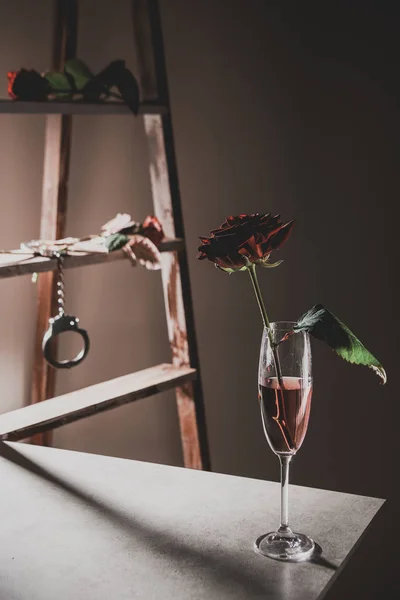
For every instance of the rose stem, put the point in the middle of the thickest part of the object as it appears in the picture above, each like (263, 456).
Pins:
(257, 291)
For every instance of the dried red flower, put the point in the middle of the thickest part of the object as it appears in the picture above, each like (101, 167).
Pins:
(11, 78)
(152, 228)
(244, 238)
(27, 85)
(122, 223)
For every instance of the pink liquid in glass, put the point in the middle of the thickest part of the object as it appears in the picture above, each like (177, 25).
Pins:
(290, 416)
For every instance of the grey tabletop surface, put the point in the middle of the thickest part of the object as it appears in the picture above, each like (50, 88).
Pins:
(77, 526)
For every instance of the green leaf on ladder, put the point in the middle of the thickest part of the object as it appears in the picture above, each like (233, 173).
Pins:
(59, 84)
(116, 241)
(325, 326)
(80, 74)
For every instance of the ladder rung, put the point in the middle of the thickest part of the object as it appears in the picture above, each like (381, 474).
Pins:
(55, 412)
(12, 265)
(52, 107)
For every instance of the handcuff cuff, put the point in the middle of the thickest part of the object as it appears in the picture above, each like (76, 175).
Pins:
(63, 321)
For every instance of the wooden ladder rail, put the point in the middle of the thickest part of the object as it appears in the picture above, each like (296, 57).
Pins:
(54, 203)
(167, 207)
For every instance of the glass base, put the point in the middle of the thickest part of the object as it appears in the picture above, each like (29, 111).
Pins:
(289, 547)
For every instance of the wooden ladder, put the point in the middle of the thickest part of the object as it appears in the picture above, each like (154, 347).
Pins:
(46, 412)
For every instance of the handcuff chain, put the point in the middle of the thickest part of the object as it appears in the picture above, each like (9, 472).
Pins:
(60, 284)
(62, 322)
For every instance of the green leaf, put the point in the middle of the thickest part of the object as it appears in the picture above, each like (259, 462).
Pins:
(78, 72)
(116, 241)
(323, 325)
(59, 84)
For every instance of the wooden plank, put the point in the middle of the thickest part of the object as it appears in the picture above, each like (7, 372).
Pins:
(145, 51)
(55, 412)
(54, 202)
(13, 265)
(55, 107)
(167, 207)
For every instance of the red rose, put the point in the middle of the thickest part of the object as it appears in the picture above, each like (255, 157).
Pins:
(27, 85)
(11, 78)
(244, 238)
(152, 228)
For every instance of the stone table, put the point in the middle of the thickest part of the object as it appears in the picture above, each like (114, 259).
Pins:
(76, 526)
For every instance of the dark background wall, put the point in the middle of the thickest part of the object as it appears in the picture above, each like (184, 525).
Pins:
(287, 107)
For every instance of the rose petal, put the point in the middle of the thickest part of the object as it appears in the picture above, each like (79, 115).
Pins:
(279, 238)
(244, 238)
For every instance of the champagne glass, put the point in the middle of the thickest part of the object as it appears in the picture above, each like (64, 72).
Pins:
(285, 390)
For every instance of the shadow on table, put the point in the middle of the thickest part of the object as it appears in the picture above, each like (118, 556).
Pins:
(222, 568)
(318, 559)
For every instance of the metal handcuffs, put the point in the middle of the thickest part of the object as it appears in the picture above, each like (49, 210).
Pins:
(62, 322)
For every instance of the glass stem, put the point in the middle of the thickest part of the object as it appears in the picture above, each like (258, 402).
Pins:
(284, 526)
(281, 419)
